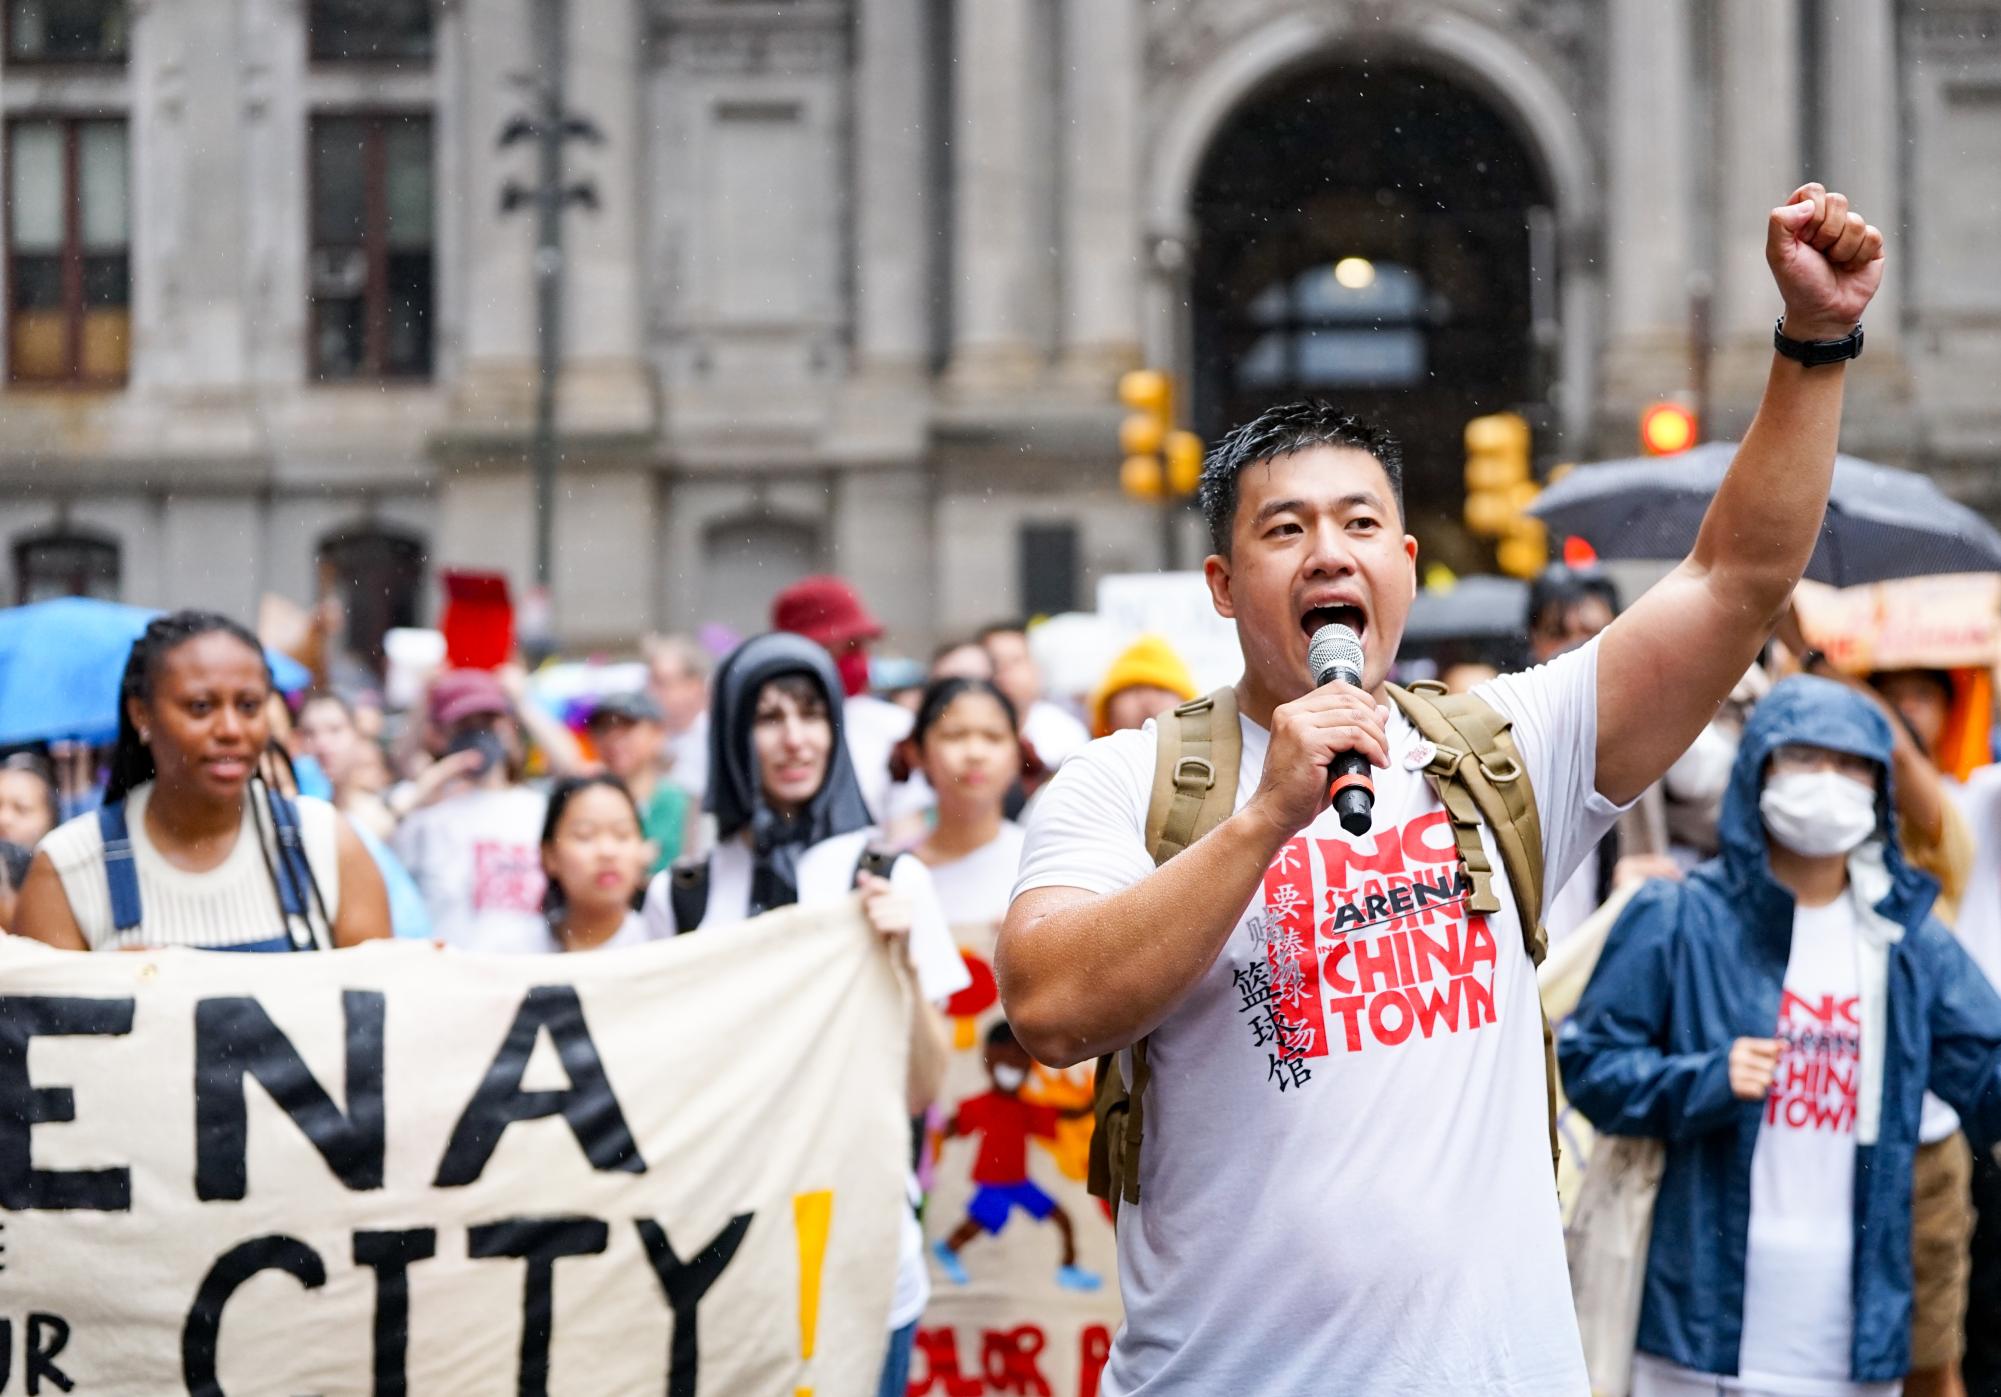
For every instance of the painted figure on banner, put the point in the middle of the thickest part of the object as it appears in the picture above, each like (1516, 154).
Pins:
(1025, 1291)
(1005, 1120)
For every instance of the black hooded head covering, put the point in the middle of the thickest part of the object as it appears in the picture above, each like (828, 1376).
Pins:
(736, 789)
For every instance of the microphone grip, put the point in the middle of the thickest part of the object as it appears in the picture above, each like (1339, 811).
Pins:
(1353, 791)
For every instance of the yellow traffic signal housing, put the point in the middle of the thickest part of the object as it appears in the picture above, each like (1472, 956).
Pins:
(1159, 458)
(1150, 395)
(1140, 477)
(1142, 434)
(1498, 481)
(1524, 550)
(1149, 391)
(1184, 462)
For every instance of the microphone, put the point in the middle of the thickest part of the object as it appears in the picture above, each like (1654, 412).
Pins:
(1336, 654)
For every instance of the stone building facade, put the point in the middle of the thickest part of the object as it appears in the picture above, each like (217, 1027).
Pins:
(863, 274)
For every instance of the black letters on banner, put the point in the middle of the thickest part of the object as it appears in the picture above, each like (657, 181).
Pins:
(539, 1242)
(685, 1283)
(24, 1105)
(235, 1266)
(587, 1103)
(234, 1037)
(48, 1335)
(391, 1255)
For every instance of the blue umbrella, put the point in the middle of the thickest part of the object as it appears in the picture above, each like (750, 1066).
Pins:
(1882, 523)
(60, 662)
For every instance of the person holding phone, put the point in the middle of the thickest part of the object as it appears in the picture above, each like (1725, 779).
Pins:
(476, 848)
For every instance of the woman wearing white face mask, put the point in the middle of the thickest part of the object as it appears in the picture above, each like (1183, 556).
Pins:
(1776, 1019)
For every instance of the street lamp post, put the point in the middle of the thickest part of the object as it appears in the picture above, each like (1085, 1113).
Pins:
(550, 127)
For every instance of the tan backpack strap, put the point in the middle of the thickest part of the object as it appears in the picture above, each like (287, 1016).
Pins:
(1135, 1124)
(1194, 772)
(1478, 774)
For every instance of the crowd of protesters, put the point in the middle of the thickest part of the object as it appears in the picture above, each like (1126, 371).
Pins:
(232, 819)
(720, 791)
(229, 817)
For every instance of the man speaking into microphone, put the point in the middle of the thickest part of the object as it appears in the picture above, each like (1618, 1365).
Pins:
(1367, 1206)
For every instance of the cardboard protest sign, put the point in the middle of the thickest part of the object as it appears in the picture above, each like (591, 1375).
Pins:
(1024, 1273)
(673, 1168)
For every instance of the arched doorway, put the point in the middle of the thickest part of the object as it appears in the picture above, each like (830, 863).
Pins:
(1374, 233)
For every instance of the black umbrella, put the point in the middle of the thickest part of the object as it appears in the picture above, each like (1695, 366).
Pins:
(1473, 608)
(1881, 522)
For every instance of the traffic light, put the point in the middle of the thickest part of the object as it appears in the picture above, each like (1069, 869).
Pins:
(1184, 462)
(1499, 490)
(1160, 459)
(1667, 428)
(1497, 467)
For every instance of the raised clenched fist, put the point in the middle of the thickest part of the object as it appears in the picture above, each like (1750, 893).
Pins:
(1827, 260)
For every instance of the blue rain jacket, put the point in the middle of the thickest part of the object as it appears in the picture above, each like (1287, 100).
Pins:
(1691, 967)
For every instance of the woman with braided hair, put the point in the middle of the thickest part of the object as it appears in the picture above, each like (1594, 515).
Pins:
(191, 847)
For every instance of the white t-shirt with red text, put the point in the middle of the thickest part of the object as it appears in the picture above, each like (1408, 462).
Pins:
(1346, 1183)
(477, 857)
(1799, 1288)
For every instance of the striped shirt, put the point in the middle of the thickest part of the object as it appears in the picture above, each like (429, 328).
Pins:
(232, 904)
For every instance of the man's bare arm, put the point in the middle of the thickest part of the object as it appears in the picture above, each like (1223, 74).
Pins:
(1665, 665)
(1082, 974)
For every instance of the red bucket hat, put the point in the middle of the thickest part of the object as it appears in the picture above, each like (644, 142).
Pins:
(826, 610)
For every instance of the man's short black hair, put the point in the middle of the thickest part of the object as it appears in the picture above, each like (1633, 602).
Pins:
(1280, 431)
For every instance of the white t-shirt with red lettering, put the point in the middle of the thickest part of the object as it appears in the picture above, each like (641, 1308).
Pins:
(1799, 1285)
(477, 857)
(1799, 1296)
(1346, 1185)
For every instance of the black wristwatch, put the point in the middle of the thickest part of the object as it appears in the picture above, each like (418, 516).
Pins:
(1812, 352)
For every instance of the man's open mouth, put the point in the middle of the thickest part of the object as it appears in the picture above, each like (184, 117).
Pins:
(1334, 615)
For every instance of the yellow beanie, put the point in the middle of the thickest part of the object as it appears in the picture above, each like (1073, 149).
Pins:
(1151, 661)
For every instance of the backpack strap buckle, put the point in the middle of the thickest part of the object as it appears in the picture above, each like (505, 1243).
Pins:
(1444, 760)
(1194, 775)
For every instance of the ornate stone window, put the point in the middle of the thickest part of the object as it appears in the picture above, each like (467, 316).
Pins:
(66, 563)
(66, 31)
(370, 31)
(373, 263)
(69, 276)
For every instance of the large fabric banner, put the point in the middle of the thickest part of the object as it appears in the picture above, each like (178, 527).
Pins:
(676, 1168)
(1024, 1273)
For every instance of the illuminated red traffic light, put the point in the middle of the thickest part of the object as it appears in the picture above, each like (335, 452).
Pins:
(1667, 428)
